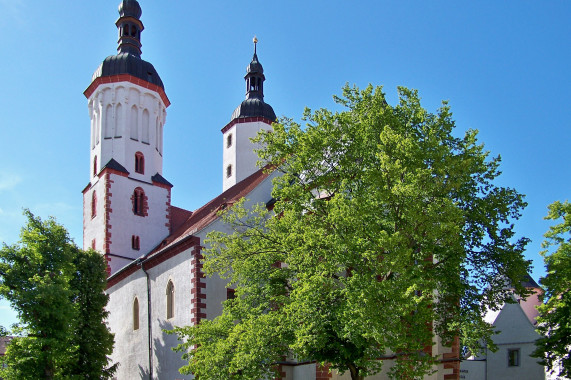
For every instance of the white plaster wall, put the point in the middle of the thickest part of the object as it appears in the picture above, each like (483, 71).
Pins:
(166, 362)
(130, 349)
(229, 158)
(119, 144)
(516, 331)
(473, 370)
(304, 371)
(151, 229)
(215, 286)
(241, 154)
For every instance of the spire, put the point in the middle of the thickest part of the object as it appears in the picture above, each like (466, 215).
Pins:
(130, 27)
(254, 105)
(255, 76)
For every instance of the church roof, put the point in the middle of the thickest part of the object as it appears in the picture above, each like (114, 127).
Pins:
(112, 164)
(206, 214)
(254, 107)
(529, 282)
(186, 224)
(160, 179)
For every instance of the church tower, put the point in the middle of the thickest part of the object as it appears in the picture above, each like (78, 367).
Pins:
(126, 205)
(253, 115)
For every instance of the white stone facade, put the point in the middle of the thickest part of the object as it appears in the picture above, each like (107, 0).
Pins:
(126, 154)
(127, 118)
(515, 340)
(239, 157)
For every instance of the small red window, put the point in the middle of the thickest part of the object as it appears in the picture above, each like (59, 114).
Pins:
(139, 163)
(95, 166)
(135, 243)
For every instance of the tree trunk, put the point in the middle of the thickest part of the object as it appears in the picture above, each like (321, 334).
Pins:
(354, 370)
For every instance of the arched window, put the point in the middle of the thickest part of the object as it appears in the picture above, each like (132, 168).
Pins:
(109, 122)
(119, 120)
(139, 163)
(94, 166)
(146, 120)
(136, 314)
(229, 141)
(170, 300)
(134, 123)
(93, 204)
(228, 171)
(139, 202)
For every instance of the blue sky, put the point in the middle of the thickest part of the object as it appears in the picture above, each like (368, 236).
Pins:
(504, 67)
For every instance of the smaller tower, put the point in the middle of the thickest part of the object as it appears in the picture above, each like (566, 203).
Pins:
(251, 116)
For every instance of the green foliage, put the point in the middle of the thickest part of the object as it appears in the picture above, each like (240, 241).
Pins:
(58, 292)
(389, 230)
(555, 315)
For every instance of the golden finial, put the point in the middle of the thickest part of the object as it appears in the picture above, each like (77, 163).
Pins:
(255, 39)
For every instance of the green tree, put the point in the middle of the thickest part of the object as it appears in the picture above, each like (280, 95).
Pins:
(57, 291)
(389, 231)
(554, 321)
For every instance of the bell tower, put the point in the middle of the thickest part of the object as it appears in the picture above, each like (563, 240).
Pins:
(252, 115)
(126, 205)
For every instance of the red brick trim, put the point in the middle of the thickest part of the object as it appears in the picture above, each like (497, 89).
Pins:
(452, 360)
(322, 372)
(107, 215)
(112, 171)
(161, 257)
(246, 120)
(153, 261)
(168, 224)
(112, 281)
(281, 375)
(126, 78)
(197, 293)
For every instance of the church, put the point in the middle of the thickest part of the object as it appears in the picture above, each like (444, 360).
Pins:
(153, 248)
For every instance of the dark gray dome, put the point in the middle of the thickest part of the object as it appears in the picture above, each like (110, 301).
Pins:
(255, 66)
(125, 63)
(254, 107)
(130, 8)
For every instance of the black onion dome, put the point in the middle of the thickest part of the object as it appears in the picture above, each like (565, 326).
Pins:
(125, 63)
(254, 107)
(130, 8)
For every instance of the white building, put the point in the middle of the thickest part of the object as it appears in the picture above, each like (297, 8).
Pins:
(515, 325)
(153, 248)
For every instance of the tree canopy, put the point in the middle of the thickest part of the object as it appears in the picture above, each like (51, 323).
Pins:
(57, 290)
(386, 231)
(554, 321)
